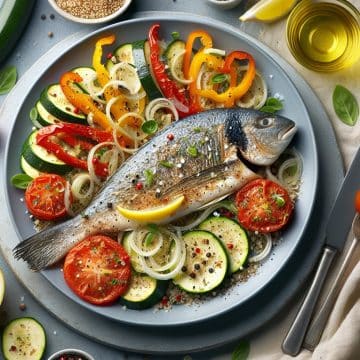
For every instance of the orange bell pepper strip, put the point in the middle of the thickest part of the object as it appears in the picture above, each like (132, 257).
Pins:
(119, 108)
(205, 40)
(234, 92)
(83, 101)
(213, 62)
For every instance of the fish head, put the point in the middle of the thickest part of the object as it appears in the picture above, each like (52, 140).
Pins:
(260, 137)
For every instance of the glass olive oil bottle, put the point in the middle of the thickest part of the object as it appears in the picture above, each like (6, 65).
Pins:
(324, 35)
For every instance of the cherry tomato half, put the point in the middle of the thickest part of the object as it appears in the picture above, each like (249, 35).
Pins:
(45, 197)
(263, 206)
(97, 270)
(357, 201)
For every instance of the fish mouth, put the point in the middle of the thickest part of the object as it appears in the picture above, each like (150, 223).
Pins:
(288, 133)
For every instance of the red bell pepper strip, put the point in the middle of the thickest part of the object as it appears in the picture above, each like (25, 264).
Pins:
(44, 135)
(167, 86)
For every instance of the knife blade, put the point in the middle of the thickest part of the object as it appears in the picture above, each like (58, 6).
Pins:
(337, 228)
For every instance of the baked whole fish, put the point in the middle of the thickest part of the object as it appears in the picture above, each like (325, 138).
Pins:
(197, 157)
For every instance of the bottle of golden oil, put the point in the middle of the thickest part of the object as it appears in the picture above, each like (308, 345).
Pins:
(324, 35)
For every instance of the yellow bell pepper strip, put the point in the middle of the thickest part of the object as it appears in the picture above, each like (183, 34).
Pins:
(234, 92)
(82, 101)
(205, 40)
(119, 108)
(213, 62)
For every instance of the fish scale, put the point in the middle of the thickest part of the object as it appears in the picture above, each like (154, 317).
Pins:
(213, 173)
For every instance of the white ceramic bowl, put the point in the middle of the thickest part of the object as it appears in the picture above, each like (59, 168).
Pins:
(225, 4)
(101, 20)
(72, 352)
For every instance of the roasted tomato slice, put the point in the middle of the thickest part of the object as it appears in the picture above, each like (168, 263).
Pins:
(263, 206)
(357, 201)
(45, 197)
(97, 270)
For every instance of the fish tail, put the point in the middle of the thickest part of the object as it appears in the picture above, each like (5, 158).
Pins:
(48, 246)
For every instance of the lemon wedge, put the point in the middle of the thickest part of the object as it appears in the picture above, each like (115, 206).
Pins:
(268, 10)
(2, 287)
(153, 214)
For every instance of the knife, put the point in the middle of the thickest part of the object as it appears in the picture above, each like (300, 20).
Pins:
(337, 229)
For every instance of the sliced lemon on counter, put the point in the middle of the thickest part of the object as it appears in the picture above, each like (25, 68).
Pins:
(153, 214)
(268, 10)
(2, 287)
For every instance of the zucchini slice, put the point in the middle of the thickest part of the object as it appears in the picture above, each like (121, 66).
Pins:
(232, 236)
(171, 53)
(134, 257)
(38, 158)
(206, 263)
(28, 169)
(23, 338)
(43, 116)
(143, 292)
(55, 102)
(87, 73)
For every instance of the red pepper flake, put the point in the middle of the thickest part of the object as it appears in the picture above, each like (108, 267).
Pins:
(170, 137)
(139, 186)
(109, 55)
(165, 301)
(13, 348)
(76, 111)
(178, 298)
(230, 246)
(198, 250)
(226, 213)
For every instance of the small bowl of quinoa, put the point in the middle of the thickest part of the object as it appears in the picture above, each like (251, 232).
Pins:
(90, 11)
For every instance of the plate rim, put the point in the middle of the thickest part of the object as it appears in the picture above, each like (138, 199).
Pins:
(252, 42)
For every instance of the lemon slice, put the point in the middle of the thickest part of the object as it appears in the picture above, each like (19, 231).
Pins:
(2, 287)
(268, 10)
(154, 214)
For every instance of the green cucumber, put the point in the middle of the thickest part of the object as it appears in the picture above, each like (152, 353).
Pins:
(28, 169)
(23, 338)
(55, 102)
(206, 263)
(143, 292)
(232, 236)
(43, 161)
(14, 15)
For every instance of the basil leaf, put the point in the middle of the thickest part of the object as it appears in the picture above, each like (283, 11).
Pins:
(149, 127)
(8, 78)
(175, 35)
(272, 105)
(20, 181)
(219, 78)
(149, 177)
(149, 238)
(279, 200)
(241, 352)
(166, 164)
(345, 105)
(192, 151)
(153, 227)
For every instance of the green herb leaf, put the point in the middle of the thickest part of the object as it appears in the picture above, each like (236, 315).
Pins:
(149, 177)
(150, 127)
(279, 200)
(219, 78)
(272, 105)
(20, 181)
(241, 352)
(192, 151)
(345, 105)
(166, 164)
(197, 130)
(175, 35)
(149, 238)
(153, 227)
(8, 78)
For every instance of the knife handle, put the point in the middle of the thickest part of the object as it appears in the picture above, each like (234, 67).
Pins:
(316, 328)
(294, 338)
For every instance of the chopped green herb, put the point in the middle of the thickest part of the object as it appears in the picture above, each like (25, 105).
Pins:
(149, 177)
(197, 130)
(219, 78)
(279, 200)
(175, 35)
(8, 77)
(241, 352)
(166, 164)
(20, 181)
(192, 151)
(272, 105)
(153, 229)
(345, 105)
(114, 282)
(150, 127)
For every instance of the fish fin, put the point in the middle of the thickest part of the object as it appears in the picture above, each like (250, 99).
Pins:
(201, 177)
(47, 247)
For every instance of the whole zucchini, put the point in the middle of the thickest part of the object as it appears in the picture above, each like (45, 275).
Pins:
(14, 15)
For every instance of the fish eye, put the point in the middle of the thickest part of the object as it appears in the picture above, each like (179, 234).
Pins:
(265, 122)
